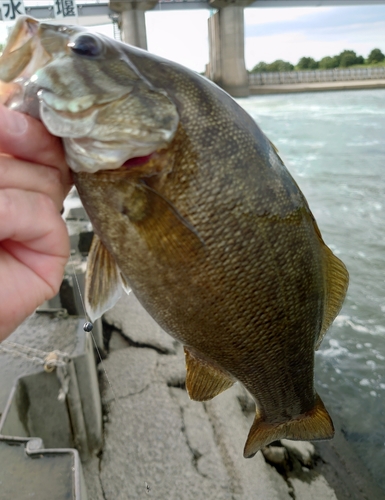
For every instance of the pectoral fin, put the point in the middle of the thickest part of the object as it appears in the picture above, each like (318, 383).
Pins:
(337, 281)
(203, 380)
(103, 280)
(315, 424)
(166, 231)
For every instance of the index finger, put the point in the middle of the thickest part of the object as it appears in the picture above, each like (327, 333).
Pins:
(24, 137)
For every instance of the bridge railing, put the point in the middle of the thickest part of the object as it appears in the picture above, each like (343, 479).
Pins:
(314, 76)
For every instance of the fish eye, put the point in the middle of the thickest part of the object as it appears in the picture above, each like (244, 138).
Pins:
(86, 45)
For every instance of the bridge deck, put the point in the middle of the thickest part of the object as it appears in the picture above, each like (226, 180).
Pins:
(98, 12)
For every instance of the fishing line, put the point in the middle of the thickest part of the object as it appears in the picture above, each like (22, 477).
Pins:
(88, 327)
(89, 322)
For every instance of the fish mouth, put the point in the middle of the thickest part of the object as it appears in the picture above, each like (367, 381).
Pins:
(23, 55)
(34, 79)
(88, 155)
(137, 161)
(74, 106)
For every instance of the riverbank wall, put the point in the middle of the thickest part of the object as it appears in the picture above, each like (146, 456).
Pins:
(316, 81)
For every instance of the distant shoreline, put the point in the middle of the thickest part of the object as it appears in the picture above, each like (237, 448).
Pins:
(289, 88)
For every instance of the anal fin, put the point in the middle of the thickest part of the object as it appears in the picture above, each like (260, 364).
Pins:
(313, 425)
(103, 280)
(203, 380)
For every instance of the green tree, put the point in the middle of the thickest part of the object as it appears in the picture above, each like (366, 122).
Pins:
(1, 47)
(375, 56)
(348, 58)
(261, 67)
(280, 65)
(307, 63)
(329, 62)
(275, 66)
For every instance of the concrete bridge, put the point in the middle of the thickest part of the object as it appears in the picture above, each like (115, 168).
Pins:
(226, 27)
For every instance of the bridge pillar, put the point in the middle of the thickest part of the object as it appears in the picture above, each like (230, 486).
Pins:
(132, 21)
(227, 47)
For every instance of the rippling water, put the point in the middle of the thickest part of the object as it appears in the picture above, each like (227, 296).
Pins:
(334, 145)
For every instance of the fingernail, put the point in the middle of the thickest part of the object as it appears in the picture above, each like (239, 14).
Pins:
(14, 123)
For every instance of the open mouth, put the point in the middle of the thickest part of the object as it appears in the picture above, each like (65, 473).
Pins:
(35, 71)
(137, 161)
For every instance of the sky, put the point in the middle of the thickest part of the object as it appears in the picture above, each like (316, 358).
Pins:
(287, 33)
(293, 33)
(271, 33)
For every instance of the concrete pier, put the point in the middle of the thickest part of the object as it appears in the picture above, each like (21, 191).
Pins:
(227, 48)
(132, 21)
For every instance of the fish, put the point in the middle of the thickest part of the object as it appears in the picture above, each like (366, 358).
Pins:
(193, 210)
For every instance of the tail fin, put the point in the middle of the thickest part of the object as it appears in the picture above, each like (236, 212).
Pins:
(316, 424)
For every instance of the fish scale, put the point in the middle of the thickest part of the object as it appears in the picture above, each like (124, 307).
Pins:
(207, 226)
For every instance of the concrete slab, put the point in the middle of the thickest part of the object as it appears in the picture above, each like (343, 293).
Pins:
(161, 444)
(117, 341)
(302, 450)
(129, 372)
(146, 452)
(172, 369)
(92, 479)
(251, 478)
(315, 487)
(129, 317)
(200, 438)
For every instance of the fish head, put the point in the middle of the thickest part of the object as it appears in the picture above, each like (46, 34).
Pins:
(84, 88)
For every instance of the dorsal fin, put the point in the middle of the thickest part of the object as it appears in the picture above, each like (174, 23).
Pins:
(203, 380)
(337, 281)
(103, 282)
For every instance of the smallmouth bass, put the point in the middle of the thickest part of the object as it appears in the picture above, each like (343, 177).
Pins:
(194, 210)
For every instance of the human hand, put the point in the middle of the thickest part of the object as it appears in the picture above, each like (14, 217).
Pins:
(34, 243)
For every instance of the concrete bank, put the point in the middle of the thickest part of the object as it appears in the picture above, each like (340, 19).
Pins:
(316, 87)
(156, 442)
(159, 444)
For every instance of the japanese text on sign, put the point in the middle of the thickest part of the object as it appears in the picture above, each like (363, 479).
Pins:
(65, 8)
(10, 9)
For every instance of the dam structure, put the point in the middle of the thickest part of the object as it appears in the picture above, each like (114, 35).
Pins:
(226, 65)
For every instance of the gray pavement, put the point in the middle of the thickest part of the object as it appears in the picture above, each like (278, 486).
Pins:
(159, 444)
(156, 442)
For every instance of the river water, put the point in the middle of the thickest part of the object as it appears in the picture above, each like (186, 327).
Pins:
(333, 143)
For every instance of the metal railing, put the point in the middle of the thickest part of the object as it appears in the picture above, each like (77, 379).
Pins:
(316, 76)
